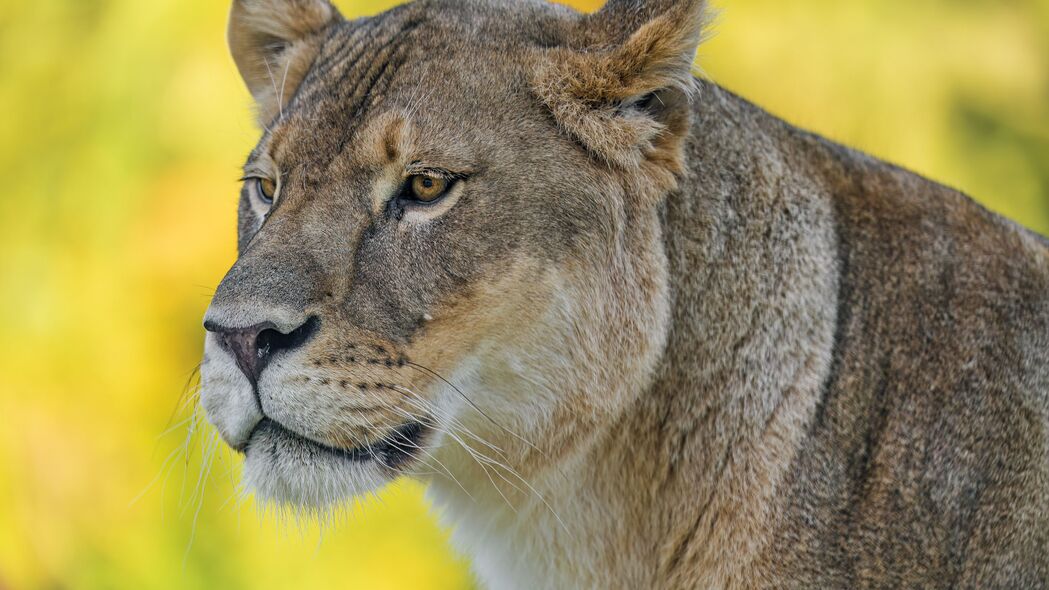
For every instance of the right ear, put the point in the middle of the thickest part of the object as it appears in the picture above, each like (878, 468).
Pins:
(622, 83)
(274, 43)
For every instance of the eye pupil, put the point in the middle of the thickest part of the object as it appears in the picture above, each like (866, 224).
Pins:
(266, 189)
(427, 189)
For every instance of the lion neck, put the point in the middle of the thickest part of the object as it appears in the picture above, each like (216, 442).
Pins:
(684, 472)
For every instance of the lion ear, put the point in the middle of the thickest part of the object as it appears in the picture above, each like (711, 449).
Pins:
(622, 89)
(273, 43)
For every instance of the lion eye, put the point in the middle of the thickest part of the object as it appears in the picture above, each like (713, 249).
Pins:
(266, 189)
(426, 188)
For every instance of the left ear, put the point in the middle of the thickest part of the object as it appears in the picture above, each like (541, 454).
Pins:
(623, 92)
(273, 43)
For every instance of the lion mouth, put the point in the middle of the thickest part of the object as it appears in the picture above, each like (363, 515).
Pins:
(392, 451)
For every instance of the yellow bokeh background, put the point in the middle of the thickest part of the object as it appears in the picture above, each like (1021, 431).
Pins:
(122, 126)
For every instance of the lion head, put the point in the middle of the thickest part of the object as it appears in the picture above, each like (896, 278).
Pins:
(449, 235)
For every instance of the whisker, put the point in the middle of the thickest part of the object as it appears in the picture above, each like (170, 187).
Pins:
(447, 471)
(189, 391)
(276, 93)
(473, 405)
(200, 504)
(283, 85)
(451, 419)
(426, 405)
(493, 463)
(164, 469)
(476, 457)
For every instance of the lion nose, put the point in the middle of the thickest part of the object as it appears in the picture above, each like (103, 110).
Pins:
(254, 346)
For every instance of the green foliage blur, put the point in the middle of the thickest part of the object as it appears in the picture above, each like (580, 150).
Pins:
(122, 127)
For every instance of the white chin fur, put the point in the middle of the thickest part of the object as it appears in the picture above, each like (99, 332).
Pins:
(298, 475)
(226, 395)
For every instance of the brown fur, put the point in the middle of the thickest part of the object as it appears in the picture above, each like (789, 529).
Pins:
(273, 43)
(662, 338)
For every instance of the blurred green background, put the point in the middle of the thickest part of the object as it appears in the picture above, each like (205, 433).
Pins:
(122, 126)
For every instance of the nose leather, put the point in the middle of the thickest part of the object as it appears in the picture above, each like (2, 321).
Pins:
(254, 346)
(244, 344)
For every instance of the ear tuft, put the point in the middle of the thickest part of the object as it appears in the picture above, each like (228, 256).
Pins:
(273, 43)
(625, 94)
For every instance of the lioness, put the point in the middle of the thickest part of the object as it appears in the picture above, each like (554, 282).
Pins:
(633, 331)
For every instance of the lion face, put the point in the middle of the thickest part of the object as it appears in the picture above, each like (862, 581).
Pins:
(428, 247)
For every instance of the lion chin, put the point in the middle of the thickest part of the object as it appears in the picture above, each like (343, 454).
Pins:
(289, 470)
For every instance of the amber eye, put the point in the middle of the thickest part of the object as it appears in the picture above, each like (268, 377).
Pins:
(427, 189)
(266, 189)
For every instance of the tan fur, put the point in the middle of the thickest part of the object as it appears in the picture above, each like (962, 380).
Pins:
(588, 89)
(652, 336)
(273, 43)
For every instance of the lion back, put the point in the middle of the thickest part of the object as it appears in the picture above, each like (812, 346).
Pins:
(927, 462)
